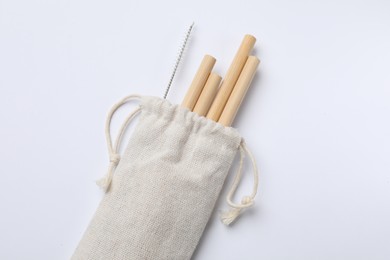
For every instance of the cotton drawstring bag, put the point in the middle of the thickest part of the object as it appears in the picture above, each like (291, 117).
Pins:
(161, 192)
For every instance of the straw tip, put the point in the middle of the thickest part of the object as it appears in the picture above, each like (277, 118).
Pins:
(254, 59)
(209, 57)
(250, 37)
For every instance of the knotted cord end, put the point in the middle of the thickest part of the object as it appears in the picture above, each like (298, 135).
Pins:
(228, 217)
(105, 182)
(115, 158)
(231, 215)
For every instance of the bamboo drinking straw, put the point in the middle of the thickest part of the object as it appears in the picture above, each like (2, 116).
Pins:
(239, 91)
(231, 77)
(198, 82)
(209, 91)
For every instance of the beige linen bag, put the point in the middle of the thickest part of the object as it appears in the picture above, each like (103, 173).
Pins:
(165, 185)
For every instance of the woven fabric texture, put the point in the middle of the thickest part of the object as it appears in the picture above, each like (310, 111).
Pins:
(164, 188)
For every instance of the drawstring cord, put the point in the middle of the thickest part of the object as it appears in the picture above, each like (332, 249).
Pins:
(231, 215)
(113, 150)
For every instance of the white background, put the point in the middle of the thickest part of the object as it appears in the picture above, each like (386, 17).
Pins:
(316, 118)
